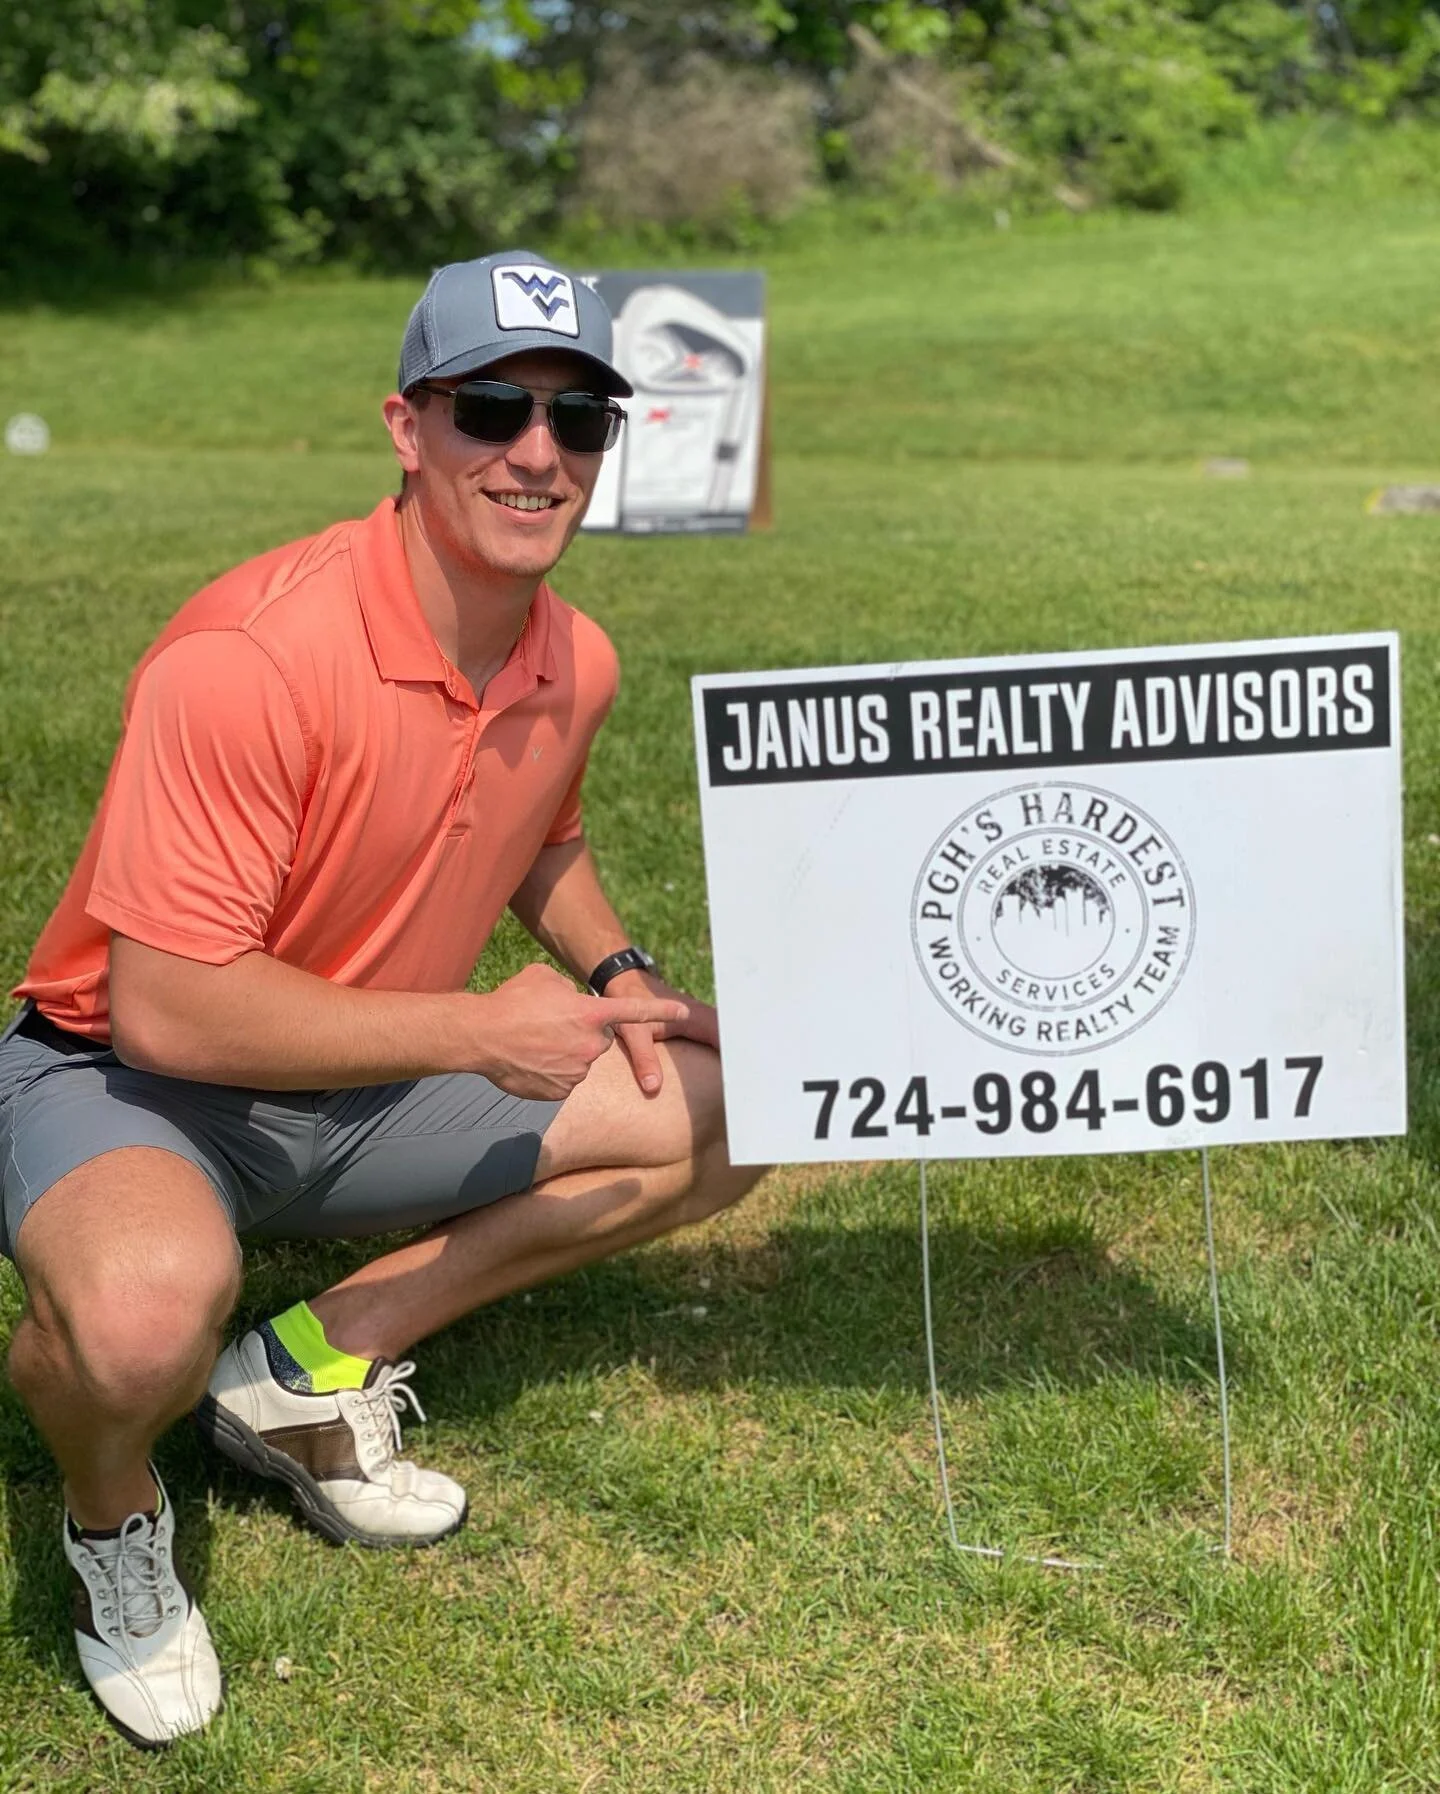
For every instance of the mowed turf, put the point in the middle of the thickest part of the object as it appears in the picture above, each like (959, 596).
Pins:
(705, 1551)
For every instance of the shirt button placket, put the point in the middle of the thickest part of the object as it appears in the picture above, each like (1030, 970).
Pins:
(473, 723)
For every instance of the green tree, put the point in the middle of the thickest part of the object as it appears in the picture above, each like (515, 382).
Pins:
(1124, 90)
(125, 77)
(381, 130)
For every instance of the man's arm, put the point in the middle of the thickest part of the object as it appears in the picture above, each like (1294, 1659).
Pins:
(562, 903)
(259, 1023)
(207, 803)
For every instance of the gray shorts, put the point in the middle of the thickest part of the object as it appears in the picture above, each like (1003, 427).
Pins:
(329, 1164)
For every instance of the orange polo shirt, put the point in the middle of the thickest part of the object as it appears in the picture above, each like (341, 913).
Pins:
(303, 773)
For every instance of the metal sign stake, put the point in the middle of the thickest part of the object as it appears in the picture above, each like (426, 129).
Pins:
(1066, 1563)
(1219, 1338)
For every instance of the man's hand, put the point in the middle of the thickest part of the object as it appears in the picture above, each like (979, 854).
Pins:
(538, 1036)
(638, 1037)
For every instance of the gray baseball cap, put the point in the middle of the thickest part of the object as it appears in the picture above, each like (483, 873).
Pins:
(473, 313)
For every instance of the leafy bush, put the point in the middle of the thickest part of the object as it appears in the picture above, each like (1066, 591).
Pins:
(386, 144)
(1265, 50)
(404, 131)
(1122, 91)
(901, 126)
(709, 148)
(377, 130)
(122, 77)
(1378, 88)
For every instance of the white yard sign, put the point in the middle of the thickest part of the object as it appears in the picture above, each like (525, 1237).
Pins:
(1085, 903)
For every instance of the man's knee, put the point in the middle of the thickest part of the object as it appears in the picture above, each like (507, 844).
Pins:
(135, 1331)
(699, 1069)
(677, 1140)
(130, 1267)
(715, 1186)
(711, 1131)
(713, 1183)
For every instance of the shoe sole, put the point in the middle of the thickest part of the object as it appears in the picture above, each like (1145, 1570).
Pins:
(218, 1427)
(141, 1742)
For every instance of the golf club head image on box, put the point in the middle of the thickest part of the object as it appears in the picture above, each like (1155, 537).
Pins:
(695, 392)
(693, 348)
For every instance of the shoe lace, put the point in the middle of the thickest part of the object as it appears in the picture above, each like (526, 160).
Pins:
(140, 1576)
(386, 1400)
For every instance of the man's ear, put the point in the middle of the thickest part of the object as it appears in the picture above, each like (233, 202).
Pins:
(404, 428)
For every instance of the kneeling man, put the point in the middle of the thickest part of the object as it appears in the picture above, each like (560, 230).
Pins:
(248, 1015)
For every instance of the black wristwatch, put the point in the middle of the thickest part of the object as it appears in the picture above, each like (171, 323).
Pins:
(628, 959)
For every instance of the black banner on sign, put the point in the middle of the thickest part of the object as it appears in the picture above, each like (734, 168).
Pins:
(1309, 701)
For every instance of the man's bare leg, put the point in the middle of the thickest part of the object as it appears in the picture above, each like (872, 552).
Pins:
(130, 1269)
(617, 1168)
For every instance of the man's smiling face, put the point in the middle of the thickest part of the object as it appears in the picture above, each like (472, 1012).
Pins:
(509, 508)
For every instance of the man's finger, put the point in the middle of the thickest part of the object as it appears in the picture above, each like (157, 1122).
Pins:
(703, 1024)
(639, 1044)
(617, 1012)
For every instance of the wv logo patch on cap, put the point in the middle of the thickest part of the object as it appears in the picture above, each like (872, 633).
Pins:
(531, 297)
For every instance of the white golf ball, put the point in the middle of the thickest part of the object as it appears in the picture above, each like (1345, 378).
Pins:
(26, 434)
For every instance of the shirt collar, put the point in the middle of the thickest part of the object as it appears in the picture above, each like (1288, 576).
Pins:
(541, 650)
(401, 639)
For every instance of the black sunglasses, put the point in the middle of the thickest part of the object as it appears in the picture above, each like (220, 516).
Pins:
(495, 411)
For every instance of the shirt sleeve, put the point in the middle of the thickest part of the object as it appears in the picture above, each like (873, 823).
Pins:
(569, 824)
(206, 801)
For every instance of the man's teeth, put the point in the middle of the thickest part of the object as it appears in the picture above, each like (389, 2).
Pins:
(523, 501)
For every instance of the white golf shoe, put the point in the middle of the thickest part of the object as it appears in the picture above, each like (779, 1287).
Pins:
(144, 1645)
(336, 1452)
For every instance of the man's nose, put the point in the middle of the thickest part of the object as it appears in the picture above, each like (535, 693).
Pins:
(534, 450)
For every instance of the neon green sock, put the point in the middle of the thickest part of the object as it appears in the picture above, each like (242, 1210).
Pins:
(300, 1333)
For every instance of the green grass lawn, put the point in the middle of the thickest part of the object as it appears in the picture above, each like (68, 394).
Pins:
(706, 1552)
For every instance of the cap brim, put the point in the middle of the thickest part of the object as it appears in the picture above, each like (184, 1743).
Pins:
(611, 381)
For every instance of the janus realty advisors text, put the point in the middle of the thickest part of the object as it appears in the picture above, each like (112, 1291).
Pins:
(856, 726)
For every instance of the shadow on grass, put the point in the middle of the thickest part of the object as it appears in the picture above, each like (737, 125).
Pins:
(111, 286)
(818, 1307)
(809, 1306)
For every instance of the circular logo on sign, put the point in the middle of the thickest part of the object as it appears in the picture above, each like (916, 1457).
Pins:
(1053, 918)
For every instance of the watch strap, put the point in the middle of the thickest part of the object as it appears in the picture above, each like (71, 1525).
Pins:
(628, 959)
